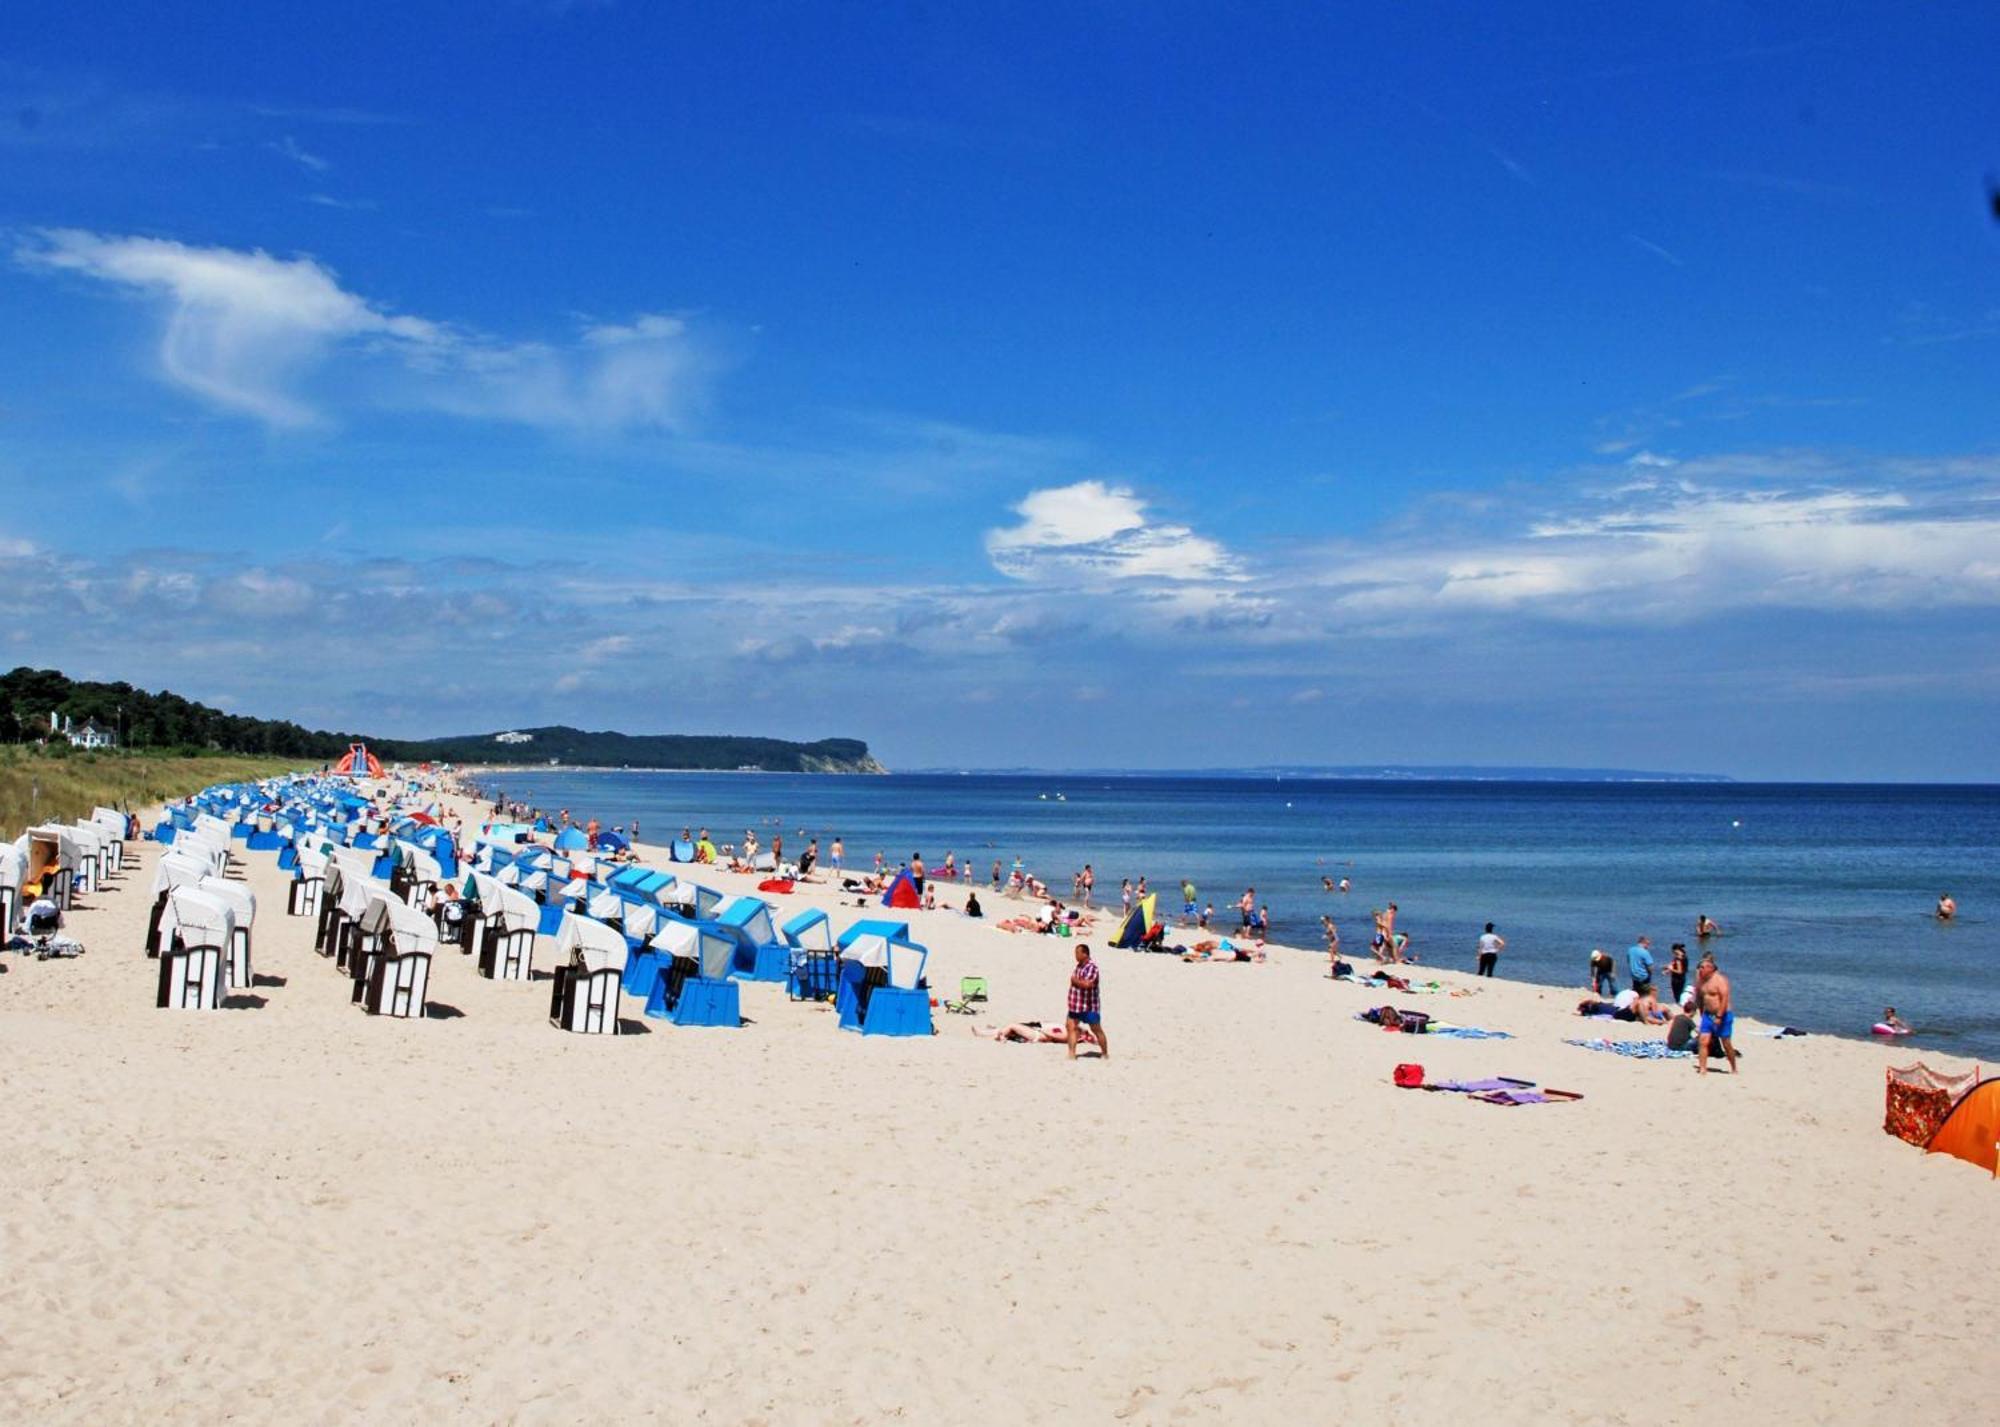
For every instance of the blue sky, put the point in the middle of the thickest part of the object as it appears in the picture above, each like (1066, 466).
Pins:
(1072, 385)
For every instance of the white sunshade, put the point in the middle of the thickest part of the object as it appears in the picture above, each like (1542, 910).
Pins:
(869, 950)
(198, 918)
(598, 947)
(641, 918)
(90, 839)
(177, 870)
(209, 826)
(683, 939)
(388, 913)
(69, 852)
(13, 865)
(241, 901)
(354, 893)
(604, 904)
(423, 866)
(502, 904)
(111, 820)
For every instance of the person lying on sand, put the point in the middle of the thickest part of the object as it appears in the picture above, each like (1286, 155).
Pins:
(1222, 951)
(1035, 1033)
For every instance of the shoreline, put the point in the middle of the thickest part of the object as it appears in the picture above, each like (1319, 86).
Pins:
(1355, 947)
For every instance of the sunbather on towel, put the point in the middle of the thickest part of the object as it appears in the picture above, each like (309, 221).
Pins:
(1035, 1033)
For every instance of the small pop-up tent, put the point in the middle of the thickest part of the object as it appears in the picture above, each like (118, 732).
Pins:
(1972, 1130)
(903, 892)
(1138, 923)
(571, 839)
(358, 762)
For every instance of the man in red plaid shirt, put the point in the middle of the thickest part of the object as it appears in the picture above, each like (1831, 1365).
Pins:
(1083, 1003)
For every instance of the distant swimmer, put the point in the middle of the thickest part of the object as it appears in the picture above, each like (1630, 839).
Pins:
(1344, 884)
(1705, 927)
(1896, 1024)
(1946, 908)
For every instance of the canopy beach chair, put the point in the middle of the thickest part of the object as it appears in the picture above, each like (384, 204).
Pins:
(760, 955)
(393, 973)
(590, 967)
(813, 965)
(196, 933)
(242, 903)
(690, 981)
(882, 989)
(500, 921)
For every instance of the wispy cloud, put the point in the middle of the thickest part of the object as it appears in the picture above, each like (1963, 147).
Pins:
(288, 147)
(345, 205)
(1655, 249)
(243, 329)
(1665, 545)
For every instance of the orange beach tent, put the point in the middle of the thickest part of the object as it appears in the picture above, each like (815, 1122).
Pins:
(1972, 1129)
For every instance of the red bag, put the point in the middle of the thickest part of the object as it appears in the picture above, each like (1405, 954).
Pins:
(1410, 1077)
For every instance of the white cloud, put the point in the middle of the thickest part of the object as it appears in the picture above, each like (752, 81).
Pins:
(1720, 533)
(243, 329)
(1091, 533)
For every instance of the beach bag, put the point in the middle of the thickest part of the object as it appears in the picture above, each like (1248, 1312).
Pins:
(1414, 1023)
(1343, 968)
(1410, 1076)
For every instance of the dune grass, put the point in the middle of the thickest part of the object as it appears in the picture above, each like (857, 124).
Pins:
(37, 786)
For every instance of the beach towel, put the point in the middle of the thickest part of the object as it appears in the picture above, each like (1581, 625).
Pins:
(1638, 1050)
(1469, 1033)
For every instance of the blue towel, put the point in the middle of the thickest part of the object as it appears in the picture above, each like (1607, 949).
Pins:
(1639, 1050)
(1470, 1033)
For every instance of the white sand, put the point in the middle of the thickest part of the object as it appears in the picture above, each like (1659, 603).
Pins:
(298, 1213)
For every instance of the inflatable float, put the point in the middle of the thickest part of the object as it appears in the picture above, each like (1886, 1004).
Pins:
(1883, 1028)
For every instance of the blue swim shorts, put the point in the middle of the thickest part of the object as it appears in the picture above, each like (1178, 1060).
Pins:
(1727, 1028)
(1087, 1018)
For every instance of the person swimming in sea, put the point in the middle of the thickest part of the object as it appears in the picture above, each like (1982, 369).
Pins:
(1947, 908)
(1895, 1022)
(1705, 927)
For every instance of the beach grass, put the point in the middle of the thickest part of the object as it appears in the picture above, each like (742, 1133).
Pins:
(38, 785)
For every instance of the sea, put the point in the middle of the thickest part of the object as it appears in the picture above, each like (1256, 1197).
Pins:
(1825, 893)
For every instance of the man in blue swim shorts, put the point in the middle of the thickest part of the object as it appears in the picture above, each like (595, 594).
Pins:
(1718, 1020)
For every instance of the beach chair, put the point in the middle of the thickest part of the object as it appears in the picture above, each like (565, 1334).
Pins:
(590, 969)
(692, 985)
(971, 993)
(242, 903)
(760, 955)
(195, 936)
(505, 927)
(13, 871)
(882, 990)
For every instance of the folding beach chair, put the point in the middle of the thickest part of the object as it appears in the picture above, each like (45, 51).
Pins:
(971, 991)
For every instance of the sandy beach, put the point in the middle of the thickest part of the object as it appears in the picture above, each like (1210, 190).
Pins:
(290, 1211)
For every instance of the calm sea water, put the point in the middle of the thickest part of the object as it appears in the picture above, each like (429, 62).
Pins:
(1824, 892)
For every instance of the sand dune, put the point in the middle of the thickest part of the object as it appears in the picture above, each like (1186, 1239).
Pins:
(291, 1211)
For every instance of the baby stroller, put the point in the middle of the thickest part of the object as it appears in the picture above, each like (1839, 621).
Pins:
(44, 924)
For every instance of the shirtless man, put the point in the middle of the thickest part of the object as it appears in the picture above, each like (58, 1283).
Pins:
(1705, 927)
(1946, 908)
(1718, 1020)
(1647, 1010)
